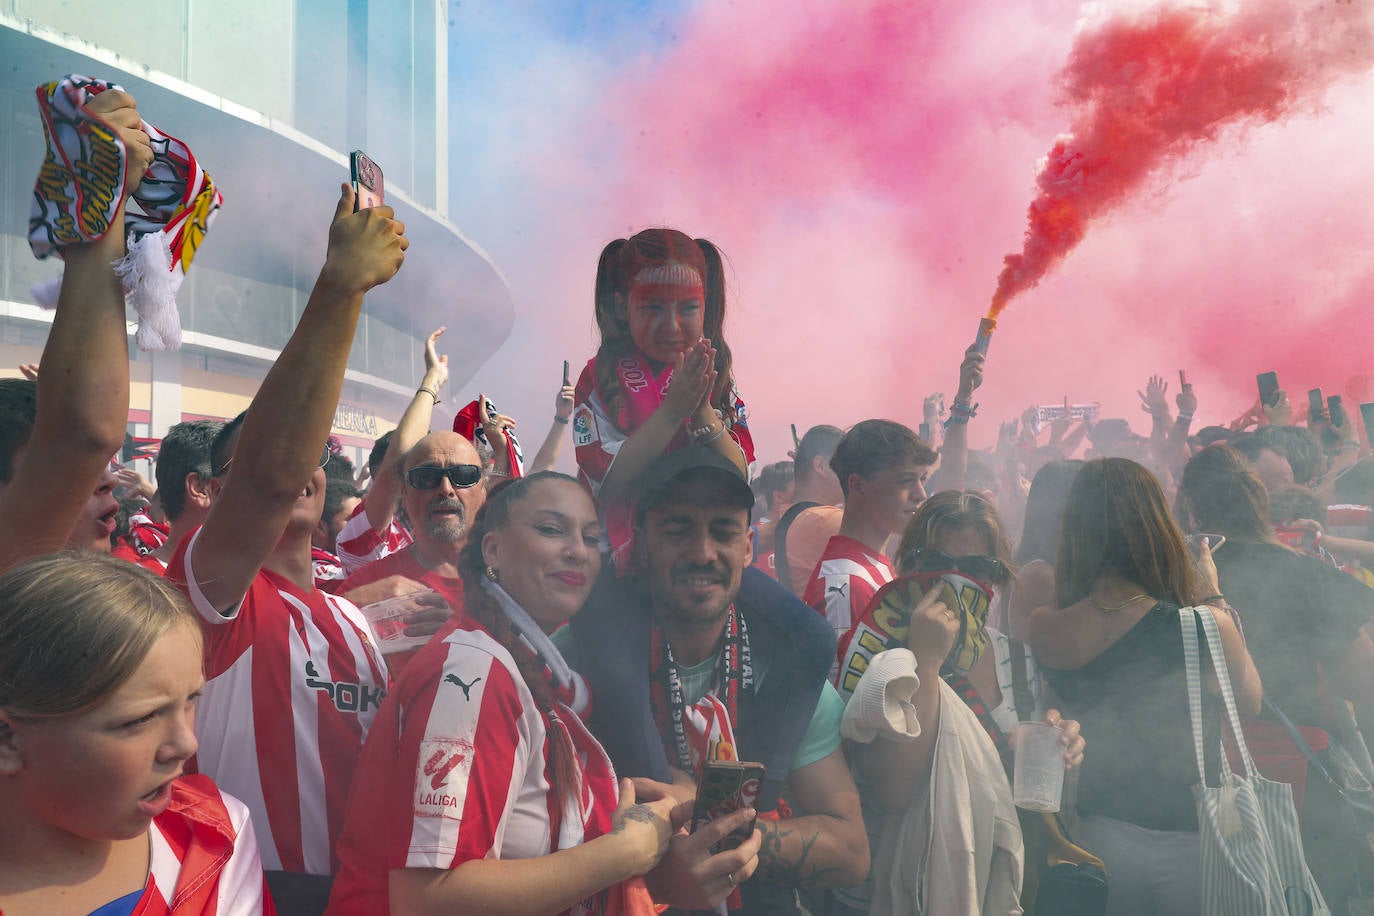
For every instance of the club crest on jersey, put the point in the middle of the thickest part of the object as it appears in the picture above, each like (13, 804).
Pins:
(582, 425)
(441, 777)
(347, 697)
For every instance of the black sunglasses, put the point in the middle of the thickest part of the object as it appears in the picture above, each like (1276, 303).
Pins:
(427, 477)
(983, 568)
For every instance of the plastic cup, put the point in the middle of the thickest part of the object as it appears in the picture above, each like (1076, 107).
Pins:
(1038, 781)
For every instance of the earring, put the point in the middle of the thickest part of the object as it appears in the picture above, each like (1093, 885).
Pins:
(492, 573)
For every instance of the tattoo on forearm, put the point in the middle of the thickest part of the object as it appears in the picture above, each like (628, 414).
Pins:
(791, 871)
(639, 813)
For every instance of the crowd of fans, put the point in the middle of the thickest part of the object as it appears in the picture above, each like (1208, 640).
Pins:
(449, 682)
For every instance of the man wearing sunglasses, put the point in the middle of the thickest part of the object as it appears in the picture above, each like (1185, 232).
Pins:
(441, 491)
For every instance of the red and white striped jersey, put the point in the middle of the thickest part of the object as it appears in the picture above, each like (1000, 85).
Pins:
(456, 770)
(358, 544)
(296, 679)
(845, 581)
(203, 857)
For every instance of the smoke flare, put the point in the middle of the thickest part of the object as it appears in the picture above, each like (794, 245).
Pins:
(1147, 88)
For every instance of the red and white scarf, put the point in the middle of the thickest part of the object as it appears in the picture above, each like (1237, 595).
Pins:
(468, 424)
(81, 185)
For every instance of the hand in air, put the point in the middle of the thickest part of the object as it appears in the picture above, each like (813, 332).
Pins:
(365, 248)
(436, 366)
(970, 373)
(120, 111)
(1154, 399)
(494, 425)
(1279, 413)
(694, 377)
(563, 404)
(1186, 399)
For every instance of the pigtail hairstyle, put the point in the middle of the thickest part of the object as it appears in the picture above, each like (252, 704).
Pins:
(616, 269)
(481, 607)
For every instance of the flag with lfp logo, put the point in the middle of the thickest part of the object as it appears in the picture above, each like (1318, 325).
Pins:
(885, 622)
(81, 185)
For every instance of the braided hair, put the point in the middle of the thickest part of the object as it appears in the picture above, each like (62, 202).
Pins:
(483, 608)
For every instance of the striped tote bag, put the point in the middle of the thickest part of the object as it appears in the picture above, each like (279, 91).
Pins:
(1252, 860)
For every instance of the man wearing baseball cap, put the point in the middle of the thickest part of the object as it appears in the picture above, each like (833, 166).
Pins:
(701, 657)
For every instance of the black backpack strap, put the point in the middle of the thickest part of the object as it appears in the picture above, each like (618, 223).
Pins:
(781, 566)
(1020, 681)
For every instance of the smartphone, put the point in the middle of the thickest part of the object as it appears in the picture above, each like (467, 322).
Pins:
(368, 190)
(924, 433)
(1334, 408)
(1268, 388)
(1316, 405)
(1182, 379)
(725, 787)
(1367, 414)
(566, 370)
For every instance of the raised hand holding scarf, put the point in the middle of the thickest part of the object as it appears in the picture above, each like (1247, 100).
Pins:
(81, 185)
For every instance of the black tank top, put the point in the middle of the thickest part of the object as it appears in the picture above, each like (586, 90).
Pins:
(1132, 702)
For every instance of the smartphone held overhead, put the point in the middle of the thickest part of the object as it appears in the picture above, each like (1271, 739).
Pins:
(1268, 383)
(368, 187)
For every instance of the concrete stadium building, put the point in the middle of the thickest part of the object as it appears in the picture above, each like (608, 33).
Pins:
(270, 95)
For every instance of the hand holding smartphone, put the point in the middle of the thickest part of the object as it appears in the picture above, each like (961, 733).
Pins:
(727, 786)
(368, 188)
(1268, 383)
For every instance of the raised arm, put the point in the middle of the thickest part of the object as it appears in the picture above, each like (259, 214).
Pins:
(288, 422)
(688, 398)
(553, 442)
(954, 454)
(385, 492)
(83, 390)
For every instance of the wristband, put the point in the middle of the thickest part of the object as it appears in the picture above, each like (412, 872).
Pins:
(960, 413)
(562, 420)
(429, 391)
(1185, 416)
(1210, 598)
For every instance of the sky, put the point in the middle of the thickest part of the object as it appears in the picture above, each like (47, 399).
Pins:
(866, 166)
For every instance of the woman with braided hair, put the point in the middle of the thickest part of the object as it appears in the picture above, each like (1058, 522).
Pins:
(662, 375)
(479, 789)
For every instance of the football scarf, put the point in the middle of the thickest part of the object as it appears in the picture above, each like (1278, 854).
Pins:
(468, 424)
(884, 623)
(80, 187)
(705, 730)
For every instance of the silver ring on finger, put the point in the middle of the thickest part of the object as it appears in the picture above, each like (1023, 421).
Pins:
(731, 876)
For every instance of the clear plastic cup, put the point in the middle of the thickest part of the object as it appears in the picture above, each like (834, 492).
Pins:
(1038, 781)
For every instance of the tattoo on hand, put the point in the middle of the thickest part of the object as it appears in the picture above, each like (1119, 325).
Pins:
(638, 813)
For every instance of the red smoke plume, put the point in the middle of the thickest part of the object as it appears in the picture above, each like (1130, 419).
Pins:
(1146, 88)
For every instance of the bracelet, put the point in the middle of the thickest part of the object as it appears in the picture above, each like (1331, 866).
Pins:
(429, 391)
(700, 436)
(561, 420)
(1346, 445)
(696, 432)
(1210, 598)
(1185, 416)
(492, 472)
(960, 413)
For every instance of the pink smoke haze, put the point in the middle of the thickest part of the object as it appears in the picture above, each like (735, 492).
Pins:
(1147, 88)
(865, 166)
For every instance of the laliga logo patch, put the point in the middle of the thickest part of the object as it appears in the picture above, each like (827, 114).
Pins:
(582, 426)
(441, 778)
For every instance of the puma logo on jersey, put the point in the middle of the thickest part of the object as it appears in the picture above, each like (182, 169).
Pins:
(837, 588)
(453, 679)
